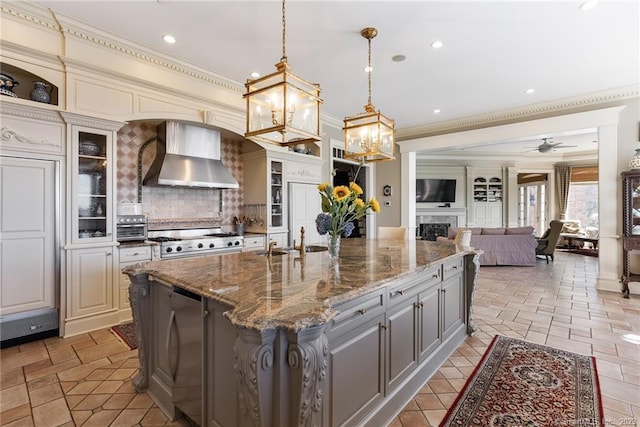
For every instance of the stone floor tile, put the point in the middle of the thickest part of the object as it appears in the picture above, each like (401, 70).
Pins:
(73, 401)
(122, 374)
(434, 416)
(100, 351)
(52, 413)
(12, 397)
(447, 399)
(102, 418)
(118, 401)
(82, 371)
(22, 422)
(413, 419)
(57, 343)
(395, 423)
(140, 401)
(92, 402)
(15, 413)
(108, 387)
(129, 417)
(62, 355)
(441, 386)
(11, 377)
(45, 394)
(127, 387)
(426, 401)
(79, 417)
(103, 336)
(53, 369)
(154, 417)
(84, 387)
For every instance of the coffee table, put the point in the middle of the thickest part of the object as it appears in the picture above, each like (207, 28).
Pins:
(594, 242)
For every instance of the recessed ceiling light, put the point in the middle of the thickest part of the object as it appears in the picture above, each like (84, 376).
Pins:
(590, 4)
(436, 111)
(529, 91)
(368, 69)
(437, 44)
(398, 58)
(255, 74)
(169, 38)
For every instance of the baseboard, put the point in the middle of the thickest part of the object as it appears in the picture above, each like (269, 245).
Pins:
(88, 324)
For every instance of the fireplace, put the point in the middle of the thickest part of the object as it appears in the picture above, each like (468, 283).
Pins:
(430, 231)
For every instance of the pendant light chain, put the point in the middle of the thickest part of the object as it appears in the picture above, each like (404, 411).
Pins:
(284, 33)
(370, 70)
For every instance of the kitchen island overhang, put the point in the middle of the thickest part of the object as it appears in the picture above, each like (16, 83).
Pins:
(295, 324)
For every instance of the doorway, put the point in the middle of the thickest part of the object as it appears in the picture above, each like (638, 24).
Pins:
(533, 201)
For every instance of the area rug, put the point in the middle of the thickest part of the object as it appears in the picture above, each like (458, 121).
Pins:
(518, 383)
(127, 333)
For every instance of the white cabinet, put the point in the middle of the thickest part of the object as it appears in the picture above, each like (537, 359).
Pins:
(253, 242)
(487, 201)
(28, 243)
(129, 255)
(92, 286)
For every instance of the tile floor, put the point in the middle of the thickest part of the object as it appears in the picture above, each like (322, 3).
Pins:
(85, 380)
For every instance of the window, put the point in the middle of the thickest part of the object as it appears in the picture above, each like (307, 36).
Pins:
(582, 204)
(532, 206)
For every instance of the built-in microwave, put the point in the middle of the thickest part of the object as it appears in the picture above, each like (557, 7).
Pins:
(131, 227)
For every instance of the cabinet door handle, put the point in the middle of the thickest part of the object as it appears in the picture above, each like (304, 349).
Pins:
(205, 313)
(362, 311)
(436, 275)
(383, 326)
(401, 291)
(455, 267)
(444, 291)
(172, 370)
(109, 254)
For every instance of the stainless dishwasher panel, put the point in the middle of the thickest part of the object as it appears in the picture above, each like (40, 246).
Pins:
(185, 352)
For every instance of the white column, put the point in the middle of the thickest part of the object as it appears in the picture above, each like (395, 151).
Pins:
(510, 196)
(408, 192)
(609, 253)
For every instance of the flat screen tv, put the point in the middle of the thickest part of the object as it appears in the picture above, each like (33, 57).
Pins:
(435, 190)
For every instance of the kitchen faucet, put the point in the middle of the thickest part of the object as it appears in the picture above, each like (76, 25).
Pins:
(271, 245)
(301, 248)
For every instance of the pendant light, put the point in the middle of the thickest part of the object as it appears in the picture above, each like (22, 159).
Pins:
(369, 136)
(282, 108)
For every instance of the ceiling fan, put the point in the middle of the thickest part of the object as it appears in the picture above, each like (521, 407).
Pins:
(548, 145)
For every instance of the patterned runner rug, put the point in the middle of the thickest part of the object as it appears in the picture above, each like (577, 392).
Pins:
(127, 333)
(518, 383)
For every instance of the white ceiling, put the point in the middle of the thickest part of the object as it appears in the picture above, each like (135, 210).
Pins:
(493, 51)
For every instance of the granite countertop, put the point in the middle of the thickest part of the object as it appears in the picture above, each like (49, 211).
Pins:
(293, 292)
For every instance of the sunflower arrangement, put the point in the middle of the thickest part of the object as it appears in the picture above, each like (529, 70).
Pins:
(342, 205)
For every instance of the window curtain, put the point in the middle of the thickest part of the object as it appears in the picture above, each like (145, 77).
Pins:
(563, 180)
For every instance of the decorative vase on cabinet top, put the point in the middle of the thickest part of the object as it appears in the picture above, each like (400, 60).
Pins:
(634, 163)
(7, 83)
(39, 93)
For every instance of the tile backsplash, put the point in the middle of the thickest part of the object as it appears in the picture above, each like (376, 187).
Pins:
(202, 206)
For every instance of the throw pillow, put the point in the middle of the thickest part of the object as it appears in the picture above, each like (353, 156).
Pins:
(520, 230)
(493, 231)
(451, 233)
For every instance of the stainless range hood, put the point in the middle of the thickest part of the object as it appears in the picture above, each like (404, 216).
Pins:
(188, 156)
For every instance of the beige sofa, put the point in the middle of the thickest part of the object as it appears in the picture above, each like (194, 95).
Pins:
(501, 246)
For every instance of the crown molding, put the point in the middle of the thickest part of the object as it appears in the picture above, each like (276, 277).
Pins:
(69, 27)
(518, 114)
(92, 122)
(48, 114)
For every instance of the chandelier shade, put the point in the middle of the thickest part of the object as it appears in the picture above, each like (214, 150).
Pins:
(369, 136)
(282, 108)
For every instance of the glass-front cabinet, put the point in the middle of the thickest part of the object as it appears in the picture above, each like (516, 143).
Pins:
(277, 194)
(630, 225)
(92, 184)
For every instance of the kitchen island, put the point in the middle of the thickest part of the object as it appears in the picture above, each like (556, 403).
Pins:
(248, 339)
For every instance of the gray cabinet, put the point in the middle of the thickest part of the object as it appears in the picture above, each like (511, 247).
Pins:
(160, 377)
(356, 373)
(401, 357)
(220, 392)
(429, 312)
(452, 304)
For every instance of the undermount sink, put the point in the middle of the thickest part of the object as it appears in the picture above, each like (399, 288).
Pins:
(315, 248)
(273, 253)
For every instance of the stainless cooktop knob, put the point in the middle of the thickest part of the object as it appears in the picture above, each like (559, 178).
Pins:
(230, 244)
(179, 249)
(169, 249)
(236, 243)
(211, 245)
(200, 245)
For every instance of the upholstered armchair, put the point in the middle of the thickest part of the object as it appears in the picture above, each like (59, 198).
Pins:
(547, 243)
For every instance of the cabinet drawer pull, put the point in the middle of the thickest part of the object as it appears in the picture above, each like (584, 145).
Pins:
(362, 311)
(401, 291)
(109, 254)
(419, 305)
(436, 275)
(455, 267)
